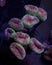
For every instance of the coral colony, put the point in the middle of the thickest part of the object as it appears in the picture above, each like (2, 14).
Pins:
(31, 18)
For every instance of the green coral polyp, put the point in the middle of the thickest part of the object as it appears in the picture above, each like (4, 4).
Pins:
(9, 32)
(19, 40)
(16, 25)
(29, 22)
(18, 50)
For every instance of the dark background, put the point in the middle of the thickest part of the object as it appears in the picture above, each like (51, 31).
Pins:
(9, 11)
